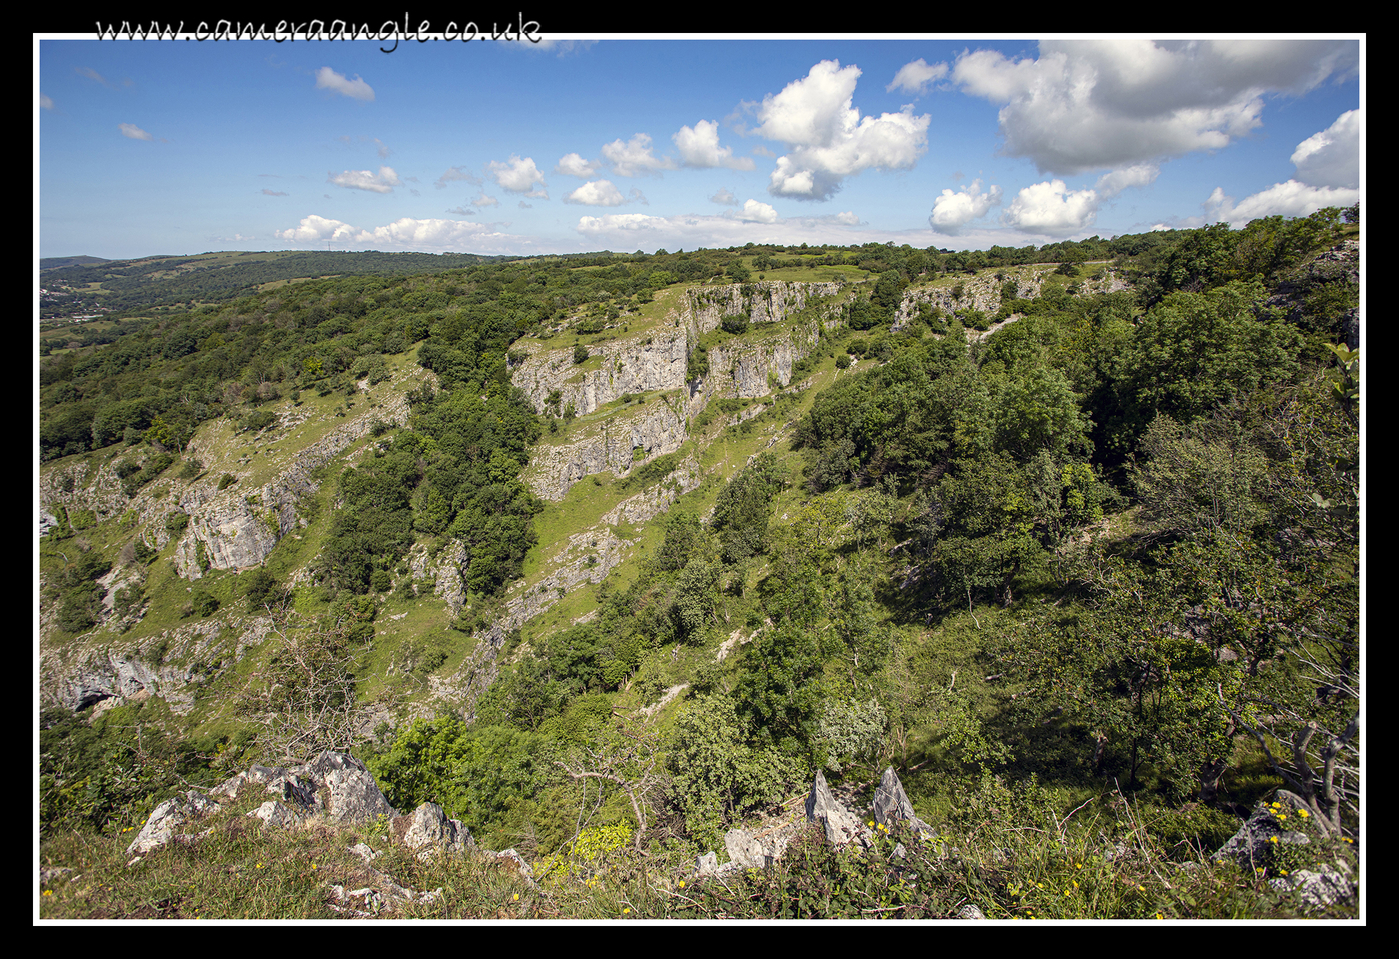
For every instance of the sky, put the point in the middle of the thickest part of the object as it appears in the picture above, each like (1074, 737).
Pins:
(573, 145)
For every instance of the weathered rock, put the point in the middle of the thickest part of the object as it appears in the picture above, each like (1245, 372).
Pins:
(841, 826)
(1252, 844)
(891, 806)
(970, 912)
(166, 820)
(274, 813)
(352, 795)
(1325, 886)
(429, 826)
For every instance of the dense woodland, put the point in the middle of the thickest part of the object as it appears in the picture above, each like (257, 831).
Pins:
(1112, 548)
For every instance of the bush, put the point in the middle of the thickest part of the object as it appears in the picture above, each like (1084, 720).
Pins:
(580, 353)
(227, 480)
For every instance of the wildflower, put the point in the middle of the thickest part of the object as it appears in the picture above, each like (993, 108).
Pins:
(682, 884)
(516, 897)
(1281, 817)
(1141, 889)
(1303, 813)
(1272, 838)
(1159, 916)
(1283, 871)
(1078, 865)
(626, 910)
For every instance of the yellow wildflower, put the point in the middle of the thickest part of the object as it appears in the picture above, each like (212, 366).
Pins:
(1303, 813)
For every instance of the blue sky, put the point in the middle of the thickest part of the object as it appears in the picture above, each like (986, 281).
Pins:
(186, 146)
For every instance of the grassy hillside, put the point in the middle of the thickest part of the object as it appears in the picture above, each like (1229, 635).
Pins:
(1044, 538)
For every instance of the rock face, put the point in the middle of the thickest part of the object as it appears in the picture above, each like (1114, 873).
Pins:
(640, 364)
(633, 437)
(839, 824)
(238, 527)
(891, 806)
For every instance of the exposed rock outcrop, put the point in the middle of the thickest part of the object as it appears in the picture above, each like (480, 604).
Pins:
(617, 444)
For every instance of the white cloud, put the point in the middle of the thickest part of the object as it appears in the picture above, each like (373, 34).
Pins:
(462, 211)
(756, 212)
(382, 182)
(724, 197)
(1332, 157)
(575, 165)
(827, 137)
(1328, 174)
(1095, 103)
(45, 101)
(1115, 181)
(412, 233)
(454, 174)
(621, 223)
(356, 89)
(1281, 199)
(699, 147)
(848, 218)
(267, 192)
(914, 77)
(316, 228)
(483, 200)
(133, 131)
(597, 193)
(1051, 209)
(952, 211)
(518, 176)
(635, 158)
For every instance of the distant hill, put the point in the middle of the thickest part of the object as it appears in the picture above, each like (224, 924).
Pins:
(59, 262)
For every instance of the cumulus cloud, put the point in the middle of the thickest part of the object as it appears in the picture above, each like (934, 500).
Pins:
(356, 89)
(1094, 103)
(407, 233)
(1332, 157)
(382, 182)
(483, 200)
(724, 197)
(518, 176)
(1115, 181)
(827, 137)
(1281, 199)
(133, 131)
(635, 157)
(313, 229)
(421, 233)
(575, 165)
(756, 212)
(1051, 209)
(699, 147)
(597, 193)
(952, 211)
(455, 174)
(848, 218)
(1328, 174)
(914, 77)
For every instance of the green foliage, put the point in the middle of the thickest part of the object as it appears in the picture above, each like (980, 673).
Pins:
(717, 775)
